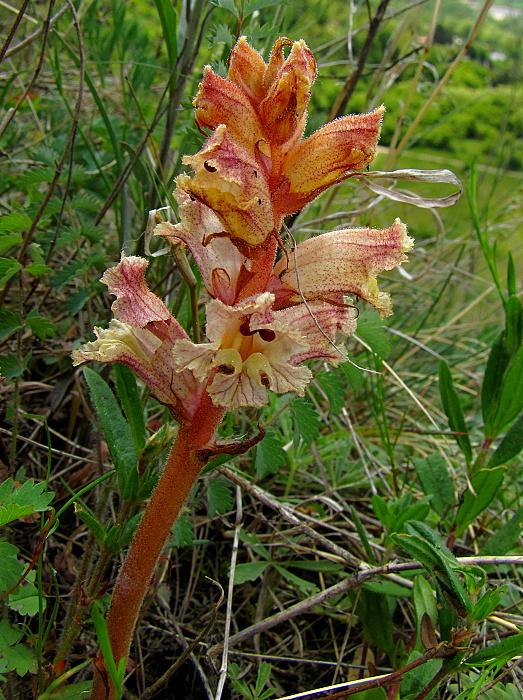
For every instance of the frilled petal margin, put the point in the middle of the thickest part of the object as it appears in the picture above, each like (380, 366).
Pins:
(250, 352)
(142, 336)
(341, 262)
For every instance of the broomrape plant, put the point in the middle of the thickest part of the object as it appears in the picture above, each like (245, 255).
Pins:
(265, 318)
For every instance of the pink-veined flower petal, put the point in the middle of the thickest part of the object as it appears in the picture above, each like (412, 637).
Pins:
(346, 262)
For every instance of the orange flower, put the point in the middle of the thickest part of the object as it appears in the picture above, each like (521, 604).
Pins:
(255, 168)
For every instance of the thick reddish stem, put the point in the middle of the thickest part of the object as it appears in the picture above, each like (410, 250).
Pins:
(180, 473)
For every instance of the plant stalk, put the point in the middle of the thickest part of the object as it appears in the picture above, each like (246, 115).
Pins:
(182, 468)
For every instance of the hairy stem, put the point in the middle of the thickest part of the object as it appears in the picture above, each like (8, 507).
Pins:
(181, 470)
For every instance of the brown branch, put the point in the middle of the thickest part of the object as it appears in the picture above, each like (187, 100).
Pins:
(338, 108)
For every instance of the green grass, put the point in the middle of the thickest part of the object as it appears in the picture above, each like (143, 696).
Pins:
(343, 475)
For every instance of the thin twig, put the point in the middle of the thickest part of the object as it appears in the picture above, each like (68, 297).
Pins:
(228, 614)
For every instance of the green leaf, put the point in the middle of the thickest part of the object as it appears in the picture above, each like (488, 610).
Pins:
(323, 565)
(131, 403)
(375, 615)
(183, 532)
(264, 671)
(12, 568)
(492, 382)
(16, 221)
(452, 407)
(7, 240)
(370, 329)
(117, 434)
(102, 633)
(169, 24)
(41, 327)
(506, 538)
(306, 587)
(68, 273)
(10, 367)
(8, 268)
(510, 446)
(38, 269)
(334, 387)
(415, 681)
(485, 484)
(220, 496)
(354, 375)
(26, 599)
(249, 571)
(94, 525)
(487, 603)
(76, 301)
(20, 658)
(227, 5)
(270, 455)
(500, 652)
(424, 602)
(28, 495)
(429, 549)
(306, 420)
(513, 323)
(36, 176)
(511, 275)
(511, 398)
(9, 323)
(436, 482)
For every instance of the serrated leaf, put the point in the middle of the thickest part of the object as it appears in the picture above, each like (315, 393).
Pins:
(182, 532)
(306, 420)
(16, 221)
(35, 176)
(38, 269)
(510, 446)
(41, 327)
(452, 407)
(26, 600)
(117, 434)
(9, 323)
(67, 273)
(87, 202)
(222, 35)
(8, 268)
(220, 496)
(370, 329)
(486, 484)
(13, 512)
(7, 240)
(76, 301)
(354, 375)
(20, 659)
(227, 5)
(249, 571)
(10, 367)
(28, 494)
(12, 568)
(270, 455)
(334, 387)
(436, 482)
